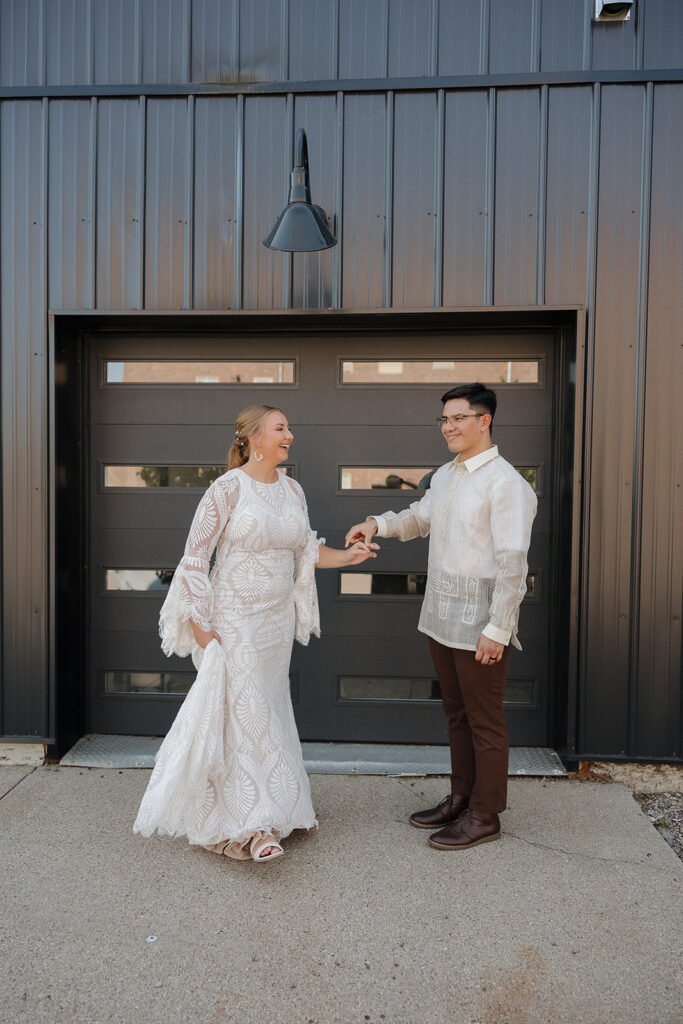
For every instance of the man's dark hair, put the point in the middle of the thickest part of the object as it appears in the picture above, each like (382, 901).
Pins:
(481, 398)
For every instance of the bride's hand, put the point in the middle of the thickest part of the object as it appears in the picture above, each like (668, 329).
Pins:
(360, 551)
(203, 637)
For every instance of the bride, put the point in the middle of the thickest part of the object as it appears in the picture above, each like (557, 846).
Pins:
(230, 775)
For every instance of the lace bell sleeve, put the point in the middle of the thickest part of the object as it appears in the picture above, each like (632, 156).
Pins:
(306, 556)
(190, 595)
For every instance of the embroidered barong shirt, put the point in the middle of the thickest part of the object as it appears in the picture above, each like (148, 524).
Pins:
(478, 514)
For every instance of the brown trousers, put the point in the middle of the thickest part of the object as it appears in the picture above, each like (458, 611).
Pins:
(472, 696)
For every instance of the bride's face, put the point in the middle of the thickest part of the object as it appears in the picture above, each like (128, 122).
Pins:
(276, 437)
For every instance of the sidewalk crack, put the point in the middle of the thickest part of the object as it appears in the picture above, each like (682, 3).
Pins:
(573, 853)
(19, 782)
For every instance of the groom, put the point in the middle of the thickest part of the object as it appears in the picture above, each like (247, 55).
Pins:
(478, 511)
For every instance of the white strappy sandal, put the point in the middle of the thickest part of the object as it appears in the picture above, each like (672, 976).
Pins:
(258, 844)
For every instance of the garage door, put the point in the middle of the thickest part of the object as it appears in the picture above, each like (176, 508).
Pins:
(363, 409)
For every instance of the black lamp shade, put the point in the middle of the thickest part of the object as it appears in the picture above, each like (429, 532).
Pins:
(301, 226)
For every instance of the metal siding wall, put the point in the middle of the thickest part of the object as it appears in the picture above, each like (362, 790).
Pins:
(215, 206)
(120, 202)
(165, 40)
(23, 316)
(662, 28)
(414, 205)
(567, 194)
(613, 46)
(313, 39)
(606, 689)
(363, 39)
(22, 43)
(563, 28)
(116, 41)
(267, 166)
(661, 595)
(71, 213)
(410, 38)
(516, 198)
(168, 206)
(263, 41)
(513, 36)
(69, 53)
(215, 40)
(364, 206)
(459, 37)
(465, 199)
(313, 273)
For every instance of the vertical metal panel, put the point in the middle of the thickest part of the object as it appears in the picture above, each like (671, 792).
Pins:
(69, 42)
(215, 40)
(120, 186)
(661, 567)
(22, 43)
(263, 41)
(607, 621)
(116, 41)
(167, 205)
(613, 44)
(363, 253)
(465, 214)
(23, 311)
(414, 206)
(567, 194)
(460, 33)
(214, 209)
(410, 28)
(363, 39)
(662, 28)
(267, 167)
(513, 36)
(516, 199)
(313, 39)
(71, 214)
(313, 272)
(165, 40)
(562, 32)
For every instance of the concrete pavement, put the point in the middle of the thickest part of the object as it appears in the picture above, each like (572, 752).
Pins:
(574, 917)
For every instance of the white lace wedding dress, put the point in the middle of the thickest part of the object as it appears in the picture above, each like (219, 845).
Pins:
(231, 766)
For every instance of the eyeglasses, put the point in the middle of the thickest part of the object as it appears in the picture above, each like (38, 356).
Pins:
(450, 420)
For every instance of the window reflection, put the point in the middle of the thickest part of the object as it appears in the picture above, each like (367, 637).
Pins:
(520, 691)
(138, 579)
(393, 478)
(388, 688)
(401, 584)
(530, 474)
(148, 682)
(435, 371)
(161, 476)
(185, 371)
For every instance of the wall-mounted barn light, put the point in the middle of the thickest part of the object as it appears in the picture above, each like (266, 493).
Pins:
(301, 226)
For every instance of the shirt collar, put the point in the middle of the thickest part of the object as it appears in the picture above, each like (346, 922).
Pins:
(477, 460)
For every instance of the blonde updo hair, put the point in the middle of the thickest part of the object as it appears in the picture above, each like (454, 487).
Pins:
(250, 421)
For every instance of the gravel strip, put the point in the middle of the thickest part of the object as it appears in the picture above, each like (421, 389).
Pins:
(665, 811)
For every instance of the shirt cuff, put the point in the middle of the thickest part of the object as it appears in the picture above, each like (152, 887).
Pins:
(501, 636)
(381, 525)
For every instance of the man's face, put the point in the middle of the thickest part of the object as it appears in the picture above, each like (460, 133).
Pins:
(466, 433)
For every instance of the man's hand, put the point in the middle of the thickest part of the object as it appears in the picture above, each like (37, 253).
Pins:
(363, 532)
(489, 652)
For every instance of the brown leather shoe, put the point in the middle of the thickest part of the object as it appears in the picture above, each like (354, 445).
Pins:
(470, 829)
(444, 813)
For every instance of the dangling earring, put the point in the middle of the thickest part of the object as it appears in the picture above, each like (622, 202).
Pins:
(258, 455)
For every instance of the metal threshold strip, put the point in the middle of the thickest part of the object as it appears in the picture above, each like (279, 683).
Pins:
(101, 751)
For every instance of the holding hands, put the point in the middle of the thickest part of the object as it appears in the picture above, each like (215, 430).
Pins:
(362, 533)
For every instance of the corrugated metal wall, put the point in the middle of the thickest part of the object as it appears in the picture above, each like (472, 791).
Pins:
(537, 193)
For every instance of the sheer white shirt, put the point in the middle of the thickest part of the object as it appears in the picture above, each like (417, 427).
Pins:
(478, 514)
